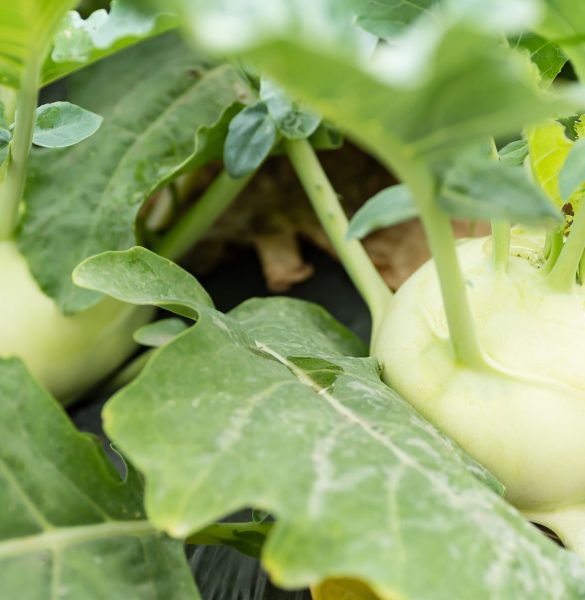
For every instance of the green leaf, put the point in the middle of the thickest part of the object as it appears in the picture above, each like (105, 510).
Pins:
(293, 120)
(251, 137)
(166, 109)
(360, 485)
(62, 124)
(514, 153)
(5, 139)
(572, 173)
(69, 526)
(564, 24)
(386, 18)
(465, 96)
(483, 188)
(27, 29)
(79, 42)
(389, 207)
(160, 332)
(143, 277)
(548, 57)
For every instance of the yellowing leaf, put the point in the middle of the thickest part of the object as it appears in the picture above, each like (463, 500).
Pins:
(549, 148)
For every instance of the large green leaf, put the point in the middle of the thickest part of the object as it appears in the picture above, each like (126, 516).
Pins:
(268, 407)
(69, 527)
(84, 200)
(440, 88)
(564, 24)
(26, 29)
(79, 42)
(386, 18)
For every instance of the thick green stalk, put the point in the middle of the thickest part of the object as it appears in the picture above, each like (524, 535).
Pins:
(226, 533)
(501, 244)
(203, 214)
(552, 250)
(354, 258)
(441, 242)
(563, 275)
(12, 188)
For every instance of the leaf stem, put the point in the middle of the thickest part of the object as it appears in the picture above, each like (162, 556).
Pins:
(12, 189)
(501, 244)
(201, 216)
(563, 275)
(552, 250)
(325, 201)
(441, 241)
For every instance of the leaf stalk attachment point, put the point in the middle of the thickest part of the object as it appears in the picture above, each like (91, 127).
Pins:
(441, 240)
(501, 244)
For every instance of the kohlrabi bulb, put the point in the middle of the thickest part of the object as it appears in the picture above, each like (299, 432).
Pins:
(524, 417)
(68, 354)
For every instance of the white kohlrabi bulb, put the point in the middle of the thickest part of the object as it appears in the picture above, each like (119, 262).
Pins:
(68, 354)
(525, 418)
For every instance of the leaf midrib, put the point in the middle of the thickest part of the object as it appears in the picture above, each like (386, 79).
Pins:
(57, 539)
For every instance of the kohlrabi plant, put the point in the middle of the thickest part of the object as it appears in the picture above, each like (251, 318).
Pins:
(409, 470)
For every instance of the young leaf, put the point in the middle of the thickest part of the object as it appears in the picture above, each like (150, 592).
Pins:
(482, 188)
(514, 153)
(27, 29)
(572, 173)
(292, 119)
(62, 124)
(79, 42)
(251, 136)
(389, 207)
(149, 279)
(349, 470)
(160, 332)
(69, 526)
(165, 108)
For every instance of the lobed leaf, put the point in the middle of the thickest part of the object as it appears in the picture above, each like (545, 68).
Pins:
(79, 42)
(287, 419)
(69, 527)
(166, 109)
(564, 25)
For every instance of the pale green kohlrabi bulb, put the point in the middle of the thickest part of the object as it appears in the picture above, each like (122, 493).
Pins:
(68, 354)
(525, 419)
